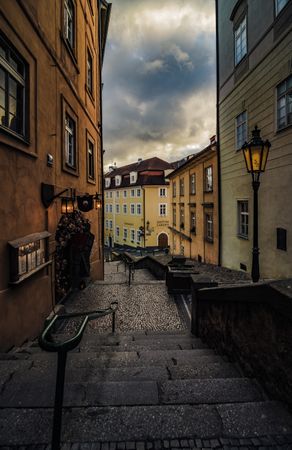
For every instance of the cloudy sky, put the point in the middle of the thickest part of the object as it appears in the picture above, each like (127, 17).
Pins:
(159, 79)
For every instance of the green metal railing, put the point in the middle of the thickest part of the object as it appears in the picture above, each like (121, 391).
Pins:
(62, 348)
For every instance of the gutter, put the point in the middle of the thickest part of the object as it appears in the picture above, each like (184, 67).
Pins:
(218, 143)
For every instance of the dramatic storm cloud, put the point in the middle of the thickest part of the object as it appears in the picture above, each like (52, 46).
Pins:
(159, 79)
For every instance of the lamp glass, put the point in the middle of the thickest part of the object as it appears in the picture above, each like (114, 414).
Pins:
(265, 154)
(70, 205)
(97, 204)
(63, 205)
(247, 157)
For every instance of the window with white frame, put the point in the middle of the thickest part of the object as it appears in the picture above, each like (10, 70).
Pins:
(117, 232)
(193, 183)
(209, 227)
(138, 209)
(240, 41)
(242, 208)
(90, 159)
(279, 5)
(162, 209)
(107, 182)
(106, 194)
(138, 192)
(182, 217)
(132, 193)
(124, 208)
(70, 141)
(117, 209)
(133, 177)
(132, 235)
(106, 208)
(162, 192)
(125, 194)
(125, 235)
(111, 194)
(174, 189)
(138, 236)
(13, 83)
(106, 223)
(117, 194)
(118, 180)
(241, 129)
(132, 209)
(110, 208)
(284, 103)
(69, 23)
(208, 179)
(110, 224)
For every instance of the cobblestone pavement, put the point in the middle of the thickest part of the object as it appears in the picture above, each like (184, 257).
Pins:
(254, 443)
(140, 307)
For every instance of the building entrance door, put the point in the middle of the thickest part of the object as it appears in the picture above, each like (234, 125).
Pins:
(163, 240)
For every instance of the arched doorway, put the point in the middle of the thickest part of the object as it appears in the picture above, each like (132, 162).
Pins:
(163, 240)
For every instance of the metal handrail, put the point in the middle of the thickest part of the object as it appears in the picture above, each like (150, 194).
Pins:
(62, 349)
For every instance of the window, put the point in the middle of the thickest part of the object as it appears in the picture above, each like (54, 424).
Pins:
(162, 192)
(117, 209)
(240, 42)
(138, 209)
(279, 4)
(13, 83)
(133, 177)
(174, 216)
(209, 227)
(125, 194)
(106, 194)
(106, 208)
(193, 183)
(242, 207)
(110, 208)
(241, 130)
(132, 193)
(117, 232)
(181, 186)
(132, 209)
(132, 235)
(106, 223)
(174, 189)
(182, 217)
(118, 194)
(209, 179)
(111, 224)
(69, 23)
(193, 222)
(111, 194)
(138, 192)
(162, 209)
(125, 209)
(107, 182)
(118, 180)
(70, 141)
(89, 72)
(90, 160)
(125, 236)
(138, 238)
(284, 103)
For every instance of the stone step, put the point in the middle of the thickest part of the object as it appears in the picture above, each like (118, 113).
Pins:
(119, 393)
(202, 369)
(125, 359)
(92, 424)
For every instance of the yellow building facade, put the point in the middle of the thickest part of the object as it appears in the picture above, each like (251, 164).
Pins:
(194, 207)
(137, 205)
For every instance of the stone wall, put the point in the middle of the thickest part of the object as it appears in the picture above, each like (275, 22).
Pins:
(253, 326)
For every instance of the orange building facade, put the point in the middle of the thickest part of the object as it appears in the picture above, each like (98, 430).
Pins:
(50, 142)
(194, 207)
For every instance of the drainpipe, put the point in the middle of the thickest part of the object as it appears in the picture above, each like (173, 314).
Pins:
(144, 219)
(204, 215)
(218, 143)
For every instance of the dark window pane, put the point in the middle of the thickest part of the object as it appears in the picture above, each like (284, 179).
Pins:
(2, 50)
(12, 122)
(16, 64)
(2, 116)
(2, 78)
(12, 87)
(2, 98)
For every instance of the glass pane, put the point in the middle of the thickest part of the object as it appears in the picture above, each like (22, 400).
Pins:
(289, 103)
(289, 82)
(282, 88)
(12, 105)
(2, 50)
(2, 116)
(2, 98)
(2, 78)
(12, 87)
(16, 64)
(12, 122)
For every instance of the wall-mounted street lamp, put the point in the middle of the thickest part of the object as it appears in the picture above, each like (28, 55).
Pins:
(255, 154)
(98, 201)
(68, 205)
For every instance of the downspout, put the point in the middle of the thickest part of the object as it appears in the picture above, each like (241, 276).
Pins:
(218, 143)
(144, 218)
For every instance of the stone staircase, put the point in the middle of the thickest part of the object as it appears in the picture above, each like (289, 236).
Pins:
(138, 390)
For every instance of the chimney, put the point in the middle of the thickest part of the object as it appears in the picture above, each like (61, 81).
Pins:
(213, 139)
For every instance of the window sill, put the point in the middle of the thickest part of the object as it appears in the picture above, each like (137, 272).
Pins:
(91, 180)
(71, 170)
(280, 130)
(241, 236)
(210, 241)
(209, 191)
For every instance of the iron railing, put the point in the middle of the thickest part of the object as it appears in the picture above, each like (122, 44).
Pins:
(62, 348)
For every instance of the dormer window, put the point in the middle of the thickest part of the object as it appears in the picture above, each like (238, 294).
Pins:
(133, 177)
(107, 182)
(118, 180)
